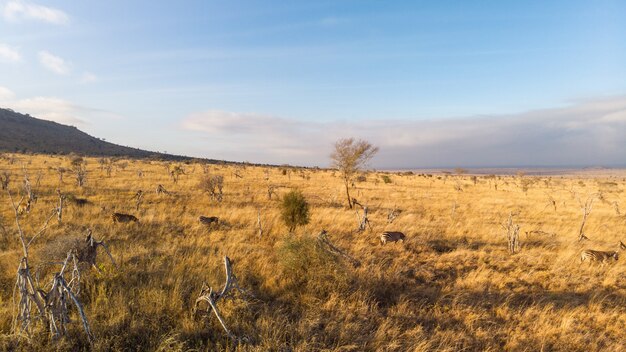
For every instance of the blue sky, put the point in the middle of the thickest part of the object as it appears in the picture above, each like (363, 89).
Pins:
(275, 81)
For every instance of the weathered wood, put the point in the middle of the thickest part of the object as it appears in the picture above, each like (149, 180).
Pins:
(327, 245)
(211, 297)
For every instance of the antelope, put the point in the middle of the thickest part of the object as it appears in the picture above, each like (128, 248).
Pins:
(598, 256)
(391, 236)
(123, 218)
(208, 220)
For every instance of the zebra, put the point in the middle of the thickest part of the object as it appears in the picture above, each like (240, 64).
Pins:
(208, 220)
(391, 236)
(598, 256)
(123, 218)
(622, 246)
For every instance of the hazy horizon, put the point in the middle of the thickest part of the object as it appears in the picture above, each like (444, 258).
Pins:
(434, 85)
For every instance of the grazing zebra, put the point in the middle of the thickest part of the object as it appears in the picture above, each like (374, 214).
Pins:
(391, 236)
(122, 218)
(208, 220)
(598, 256)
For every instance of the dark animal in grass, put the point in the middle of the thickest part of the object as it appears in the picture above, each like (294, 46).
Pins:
(123, 218)
(209, 220)
(80, 202)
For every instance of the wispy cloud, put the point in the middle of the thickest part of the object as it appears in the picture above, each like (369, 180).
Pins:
(15, 11)
(88, 77)
(53, 109)
(6, 94)
(585, 133)
(9, 54)
(53, 63)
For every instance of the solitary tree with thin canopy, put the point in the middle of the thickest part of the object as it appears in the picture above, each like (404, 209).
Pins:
(349, 157)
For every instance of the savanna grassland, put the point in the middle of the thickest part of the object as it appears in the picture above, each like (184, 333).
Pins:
(451, 286)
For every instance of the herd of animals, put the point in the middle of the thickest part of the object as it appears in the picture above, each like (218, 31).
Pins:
(388, 236)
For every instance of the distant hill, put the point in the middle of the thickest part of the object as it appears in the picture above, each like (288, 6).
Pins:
(25, 134)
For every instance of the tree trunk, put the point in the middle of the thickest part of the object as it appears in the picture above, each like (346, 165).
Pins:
(348, 193)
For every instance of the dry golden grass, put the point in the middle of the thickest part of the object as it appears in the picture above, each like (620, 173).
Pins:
(451, 286)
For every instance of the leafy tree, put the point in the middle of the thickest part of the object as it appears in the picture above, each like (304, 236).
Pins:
(294, 210)
(349, 157)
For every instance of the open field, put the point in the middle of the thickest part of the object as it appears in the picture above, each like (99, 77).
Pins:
(451, 286)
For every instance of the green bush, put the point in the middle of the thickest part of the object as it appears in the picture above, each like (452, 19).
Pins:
(294, 210)
(386, 179)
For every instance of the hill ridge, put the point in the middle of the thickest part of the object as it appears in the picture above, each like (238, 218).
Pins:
(24, 133)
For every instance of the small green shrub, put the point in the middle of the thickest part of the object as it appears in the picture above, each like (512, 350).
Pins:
(386, 179)
(294, 210)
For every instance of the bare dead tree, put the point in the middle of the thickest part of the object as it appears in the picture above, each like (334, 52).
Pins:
(138, 198)
(29, 296)
(586, 208)
(60, 206)
(512, 234)
(5, 179)
(29, 190)
(551, 202)
(61, 171)
(211, 298)
(393, 214)
(364, 221)
(109, 169)
(161, 190)
(79, 168)
(271, 190)
(88, 251)
(176, 172)
(57, 299)
(214, 186)
(328, 246)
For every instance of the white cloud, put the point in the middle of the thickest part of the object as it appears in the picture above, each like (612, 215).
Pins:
(53, 109)
(6, 94)
(23, 10)
(586, 133)
(53, 63)
(8, 54)
(88, 77)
